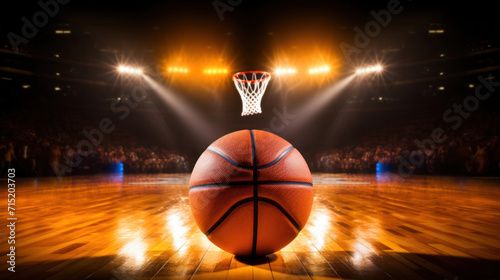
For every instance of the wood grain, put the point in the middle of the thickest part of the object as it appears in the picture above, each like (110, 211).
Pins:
(361, 227)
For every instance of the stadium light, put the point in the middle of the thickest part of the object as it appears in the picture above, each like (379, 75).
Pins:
(319, 70)
(129, 70)
(371, 69)
(285, 71)
(215, 71)
(178, 70)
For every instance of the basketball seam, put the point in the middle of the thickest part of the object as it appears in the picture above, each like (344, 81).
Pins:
(232, 162)
(227, 213)
(247, 183)
(255, 194)
(287, 215)
(228, 159)
(250, 199)
(277, 159)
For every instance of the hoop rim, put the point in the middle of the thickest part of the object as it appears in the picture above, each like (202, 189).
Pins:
(266, 75)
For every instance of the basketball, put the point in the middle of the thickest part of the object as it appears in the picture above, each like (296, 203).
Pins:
(251, 192)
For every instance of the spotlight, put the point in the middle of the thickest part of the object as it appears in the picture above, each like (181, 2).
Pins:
(215, 71)
(285, 71)
(129, 70)
(178, 70)
(319, 70)
(371, 69)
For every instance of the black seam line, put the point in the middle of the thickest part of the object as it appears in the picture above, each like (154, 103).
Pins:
(277, 205)
(229, 160)
(248, 183)
(243, 201)
(277, 159)
(232, 162)
(229, 211)
(255, 194)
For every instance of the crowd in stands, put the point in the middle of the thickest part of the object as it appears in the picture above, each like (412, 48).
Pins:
(471, 149)
(37, 146)
(48, 147)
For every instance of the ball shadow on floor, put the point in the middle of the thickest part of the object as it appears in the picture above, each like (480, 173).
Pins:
(256, 260)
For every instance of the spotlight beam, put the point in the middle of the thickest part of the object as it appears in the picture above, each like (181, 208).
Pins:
(203, 129)
(309, 110)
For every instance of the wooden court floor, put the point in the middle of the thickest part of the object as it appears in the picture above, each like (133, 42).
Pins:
(361, 227)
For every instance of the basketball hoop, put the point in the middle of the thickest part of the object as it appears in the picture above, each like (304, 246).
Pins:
(251, 85)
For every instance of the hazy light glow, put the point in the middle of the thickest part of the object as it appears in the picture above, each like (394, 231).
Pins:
(370, 69)
(320, 226)
(178, 70)
(136, 251)
(134, 246)
(129, 70)
(285, 71)
(190, 116)
(213, 71)
(319, 70)
(321, 100)
(361, 254)
(436, 31)
(176, 227)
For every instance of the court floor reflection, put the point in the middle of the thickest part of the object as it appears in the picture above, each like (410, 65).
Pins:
(361, 227)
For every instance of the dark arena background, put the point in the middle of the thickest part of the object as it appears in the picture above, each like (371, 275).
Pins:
(105, 107)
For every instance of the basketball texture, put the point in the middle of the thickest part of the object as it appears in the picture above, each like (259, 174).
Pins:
(251, 192)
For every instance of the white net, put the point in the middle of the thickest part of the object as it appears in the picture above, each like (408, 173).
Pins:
(251, 90)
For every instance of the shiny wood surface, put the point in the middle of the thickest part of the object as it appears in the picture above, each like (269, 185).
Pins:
(361, 227)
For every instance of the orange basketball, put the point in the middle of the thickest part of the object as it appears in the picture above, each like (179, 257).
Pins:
(251, 192)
